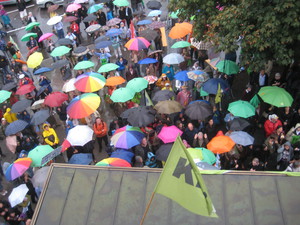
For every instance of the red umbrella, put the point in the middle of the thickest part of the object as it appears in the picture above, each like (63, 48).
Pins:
(24, 89)
(55, 99)
(70, 19)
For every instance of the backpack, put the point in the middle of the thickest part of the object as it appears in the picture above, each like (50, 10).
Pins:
(151, 160)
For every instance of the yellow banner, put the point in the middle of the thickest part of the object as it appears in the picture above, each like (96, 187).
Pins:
(163, 37)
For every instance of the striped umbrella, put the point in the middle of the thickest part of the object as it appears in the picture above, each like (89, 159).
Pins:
(137, 44)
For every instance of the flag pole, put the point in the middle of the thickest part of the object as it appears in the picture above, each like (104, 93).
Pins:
(147, 209)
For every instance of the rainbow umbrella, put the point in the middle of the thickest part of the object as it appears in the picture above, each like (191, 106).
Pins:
(114, 162)
(137, 44)
(90, 82)
(127, 137)
(83, 105)
(17, 168)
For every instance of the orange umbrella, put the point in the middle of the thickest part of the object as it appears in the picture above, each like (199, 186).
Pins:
(180, 30)
(114, 81)
(220, 144)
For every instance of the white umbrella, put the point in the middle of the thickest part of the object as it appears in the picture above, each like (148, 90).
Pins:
(154, 13)
(17, 195)
(93, 28)
(40, 176)
(54, 20)
(80, 135)
(80, 1)
(173, 58)
(69, 85)
(37, 104)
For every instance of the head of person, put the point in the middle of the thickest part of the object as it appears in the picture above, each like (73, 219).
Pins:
(3, 121)
(277, 76)
(273, 118)
(21, 76)
(184, 88)
(279, 129)
(31, 38)
(262, 72)
(255, 162)
(46, 127)
(122, 24)
(163, 76)
(168, 86)
(144, 141)
(249, 87)
(179, 124)
(24, 67)
(190, 126)
(287, 146)
(98, 120)
(211, 122)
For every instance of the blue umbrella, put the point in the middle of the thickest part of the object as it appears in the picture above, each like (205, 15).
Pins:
(40, 117)
(144, 22)
(15, 127)
(242, 138)
(21, 105)
(211, 86)
(122, 154)
(42, 70)
(103, 44)
(81, 159)
(199, 101)
(113, 32)
(182, 76)
(147, 61)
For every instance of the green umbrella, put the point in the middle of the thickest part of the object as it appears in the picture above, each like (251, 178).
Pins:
(255, 101)
(181, 44)
(241, 109)
(84, 65)
(203, 93)
(60, 51)
(38, 153)
(108, 67)
(137, 84)
(31, 25)
(26, 37)
(202, 154)
(174, 15)
(228, 67)
(4, 95)
(275, 96)
(122, 95)
(95, 8)
(121, 3)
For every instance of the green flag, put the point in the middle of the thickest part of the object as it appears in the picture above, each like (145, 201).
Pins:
(219, 94)
(14, 43)
(148, 99)
(181, 181)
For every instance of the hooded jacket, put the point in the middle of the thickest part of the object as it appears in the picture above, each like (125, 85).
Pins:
(281, 150)
(270, 126)
(10, 116)
(48, 133)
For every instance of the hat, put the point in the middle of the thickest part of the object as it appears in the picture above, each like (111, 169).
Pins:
(167, 84)
(21, 76)
(184, 87)
(273, 116)
(277, 75)
(3, 119)
(164, 75)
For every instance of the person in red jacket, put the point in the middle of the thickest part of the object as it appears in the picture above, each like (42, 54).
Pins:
(271, 124)
(76, 31)
(100, 129)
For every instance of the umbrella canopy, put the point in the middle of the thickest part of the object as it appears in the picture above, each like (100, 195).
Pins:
(220, 144)
(80, 135)
(54, 20)
(83, 65)
(27, 36)
(137, 44)
(40, 176)
(174, 15)
(52, 8)
(242, 138)
(116, 162)
(114, 81)
(101, 38)
(93, 28)
(9, 86)
(81, 159)
(103, 44)
(163, 152)
(168, 107)
(95, 8)
(154, 13)
(113, 32)
(108, 67)
(69, 85)
(156, 25)
(241, 109)
(83, 105)
(35, 60)
(38, 153)
(137, 84)
(90, 82)
(113, 22)
(181, 44)
(21, 105)
(59, 64)
(4, 95)
(139, 116)
(169, 134)
(147, 61)
(69, 19)
(144, 22)
(173, 58)
(56, 99)
(17, 168)
(180, 30)
(163, 95)
(205, 166)
(276, 96)
(198, 75)
(42, 70)
(40, 117)
(182, 76)
(153, 5)
(122, 95)
(89, 18)
(211, 86)
(42, 90)
(73, 7)
(24, 89)
(203, 154)
(151, 79)
(17, 195)
(228, 67)
(148, 34)
(60, 51)
(31, 25)
(239, 124)
(64, 41)
(199, 110)
(127, 137)
(121, 3)
(38, 104)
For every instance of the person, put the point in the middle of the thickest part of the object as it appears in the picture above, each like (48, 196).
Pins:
(50, 136)
(285, 155)
(128, 15)
(131, 73)
(135, 60)
(294, 167)
(31, 18)
(122, 63)
(15, 66)
(277, 81)
(72, 37)
(151, 70)
(184, 96)
(125, 34)
(101, 17)
(162, 81)
(24, 80)
(116, 46)
(76, 31)
(100, 129)
(44, 81)
(39, 32)
(9, 116)
(26, 72)
(82, 13)
(31, 43)
(261, 79)
(169, 71)
(248, 93)
(59, 29)
(5, 18)
(103, 56)
(4, 64)
(190, 133)
(256, 165)
(22, 10)
(271, 124)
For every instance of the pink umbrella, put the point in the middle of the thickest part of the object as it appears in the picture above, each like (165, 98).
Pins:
(169, 134)
(45, 36)
(11, 143)
(73, 7)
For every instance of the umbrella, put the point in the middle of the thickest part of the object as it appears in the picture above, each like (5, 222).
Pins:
(60, 63)
(182, 76)
(122, 95)
(154, 13)
(83, 105)
(181, 44)
(35, 60)
(83, 65)
(42, 90)
(21, 105)
(27, 36)
(137, 44)
(42, 70)
(38, 104)
(116, 162)
(9, 86)
(38, 153)
(80, 50)
(205, 166)
(139, 116)
(92, 28)
(17, 195)
(203, 154)
(211, 86)
(174, 15)
(151, 79)
(95, 8)
(228, 67)
(60, 51)
(147, 61)
(168, 107)
(15, 127)
(64, 41)
(81, 1)
(198, 110)
(17, 168)
(153, 5)
(144, 22)
(103, 44)
(113, 32)
(81, 159)
(173, 58)
(24, 89)
(276, 96)
(108, 67)
(56, 99)
(80, 135)
(114, 81)
(220, 144)
(54, 20)
(40, 117)
(40, 176)
(113, 22)
(163, 95)
(255, 101)
(137, 84)
(156, 25)
(239, 124)
(241, 109)
(31, 25)
(52, 8)
(69, 19)
(163, 152)
(11, 143)
(34, 49)
(73, 7)
(69, 85)
(121, 3)
(169, 134)
(127, 137)
(198, 75)
(180, 30)
(4, 95)
(241, 138)
(90, 82)
(89, 18)
(148, 34)
(101, 38)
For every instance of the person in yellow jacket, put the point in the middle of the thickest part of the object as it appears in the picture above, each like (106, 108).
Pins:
(162, 81)
(10, 116)
(50, 136)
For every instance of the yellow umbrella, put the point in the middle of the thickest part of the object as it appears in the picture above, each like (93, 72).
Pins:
(35, 60)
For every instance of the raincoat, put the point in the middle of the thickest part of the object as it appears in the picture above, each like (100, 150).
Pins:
(10, 116)
(270, 126)
(100, 129)
(50, 135)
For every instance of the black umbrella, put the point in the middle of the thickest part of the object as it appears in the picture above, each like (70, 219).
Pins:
(60, 63)
(153, 5)
(40, 117)
(9, 86)
(89, 18)
(21, 105)
(198, 110)
(139, 116)
(148, 34)
(64, 41)
(163, 152)
(101, 38)
(238, 124)
(163, 95)
(41, 90)
(15, 127)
